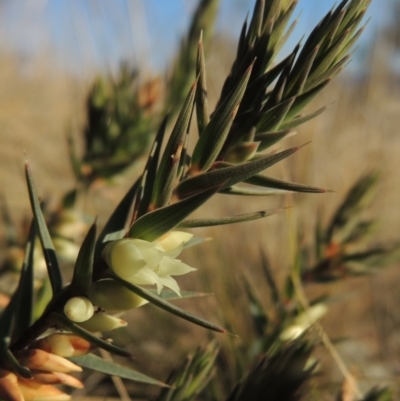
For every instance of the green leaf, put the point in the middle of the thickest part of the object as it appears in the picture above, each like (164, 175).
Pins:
(267, 139)
(161, 303)
(269, 182)
(83, 270)
(24, 303)
(169, 295)
(273, 117)
(298, 120)
(304, 99)
(203, 117)
(213, 137)
(150, 171)
(227, 220)
(43, 297)
(118, 219)
(87, 335)
(228, 176)
(168, 169)
(247, 191)
(44, 235)
(300, 72)
(9, 359)
(111, 368)
(158, 222)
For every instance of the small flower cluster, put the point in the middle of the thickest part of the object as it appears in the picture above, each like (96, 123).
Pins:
(138, 262)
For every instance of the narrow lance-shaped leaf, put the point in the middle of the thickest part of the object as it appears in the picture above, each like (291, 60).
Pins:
(9, 359)
(267, 139)
(268, 182)
(159, 302)
(298, 120)
(227, 220)
(150, 171)
(169, 295)
(87, 335)
(118, 219)
(213, 137)
(44, 235)
(24, 308)
(304, 99)
(167, 171)
(158, 222)
(228, 176)
(246, 191)
(298, 81)
(203, 117)
(323, 61)
(83, 270)
(111, 368)
(271, 120)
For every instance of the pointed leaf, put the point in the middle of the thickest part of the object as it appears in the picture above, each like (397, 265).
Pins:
(47, 245)
(227, 220)
(111, 368)
(150, 171)
(169, 295)
(83, 270)
(203, 117)
(228, 176)
(213, 137)
(267, 139)
(304, 99)
(298, 120)
(118, 219)
(24, 307)
(247, 191)
(168, 169)
(271, 120)
(9, 359)
(159, 302)
(269, 182)
(158, 222)
(87, 335)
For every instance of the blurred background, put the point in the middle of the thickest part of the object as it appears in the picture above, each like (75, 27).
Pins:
(50, 53)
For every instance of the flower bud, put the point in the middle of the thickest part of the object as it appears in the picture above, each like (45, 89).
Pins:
(172, 241)
(242, 152)
(33, 391)
(112, 296)
(57, 378)
(42, 360)
(303, 321)
(65, 345)
(9, 389)
(78, 309)
(102, 322)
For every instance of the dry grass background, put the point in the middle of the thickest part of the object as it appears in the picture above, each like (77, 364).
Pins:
(359, 131)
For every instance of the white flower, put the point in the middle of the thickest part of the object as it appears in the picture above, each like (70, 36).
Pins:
(142, 262)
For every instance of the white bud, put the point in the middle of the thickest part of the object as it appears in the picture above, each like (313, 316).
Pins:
(173, 240)
(103, 322)
(78, 309)
(112, 296)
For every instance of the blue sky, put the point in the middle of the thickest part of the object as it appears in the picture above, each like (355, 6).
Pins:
(86, 35)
